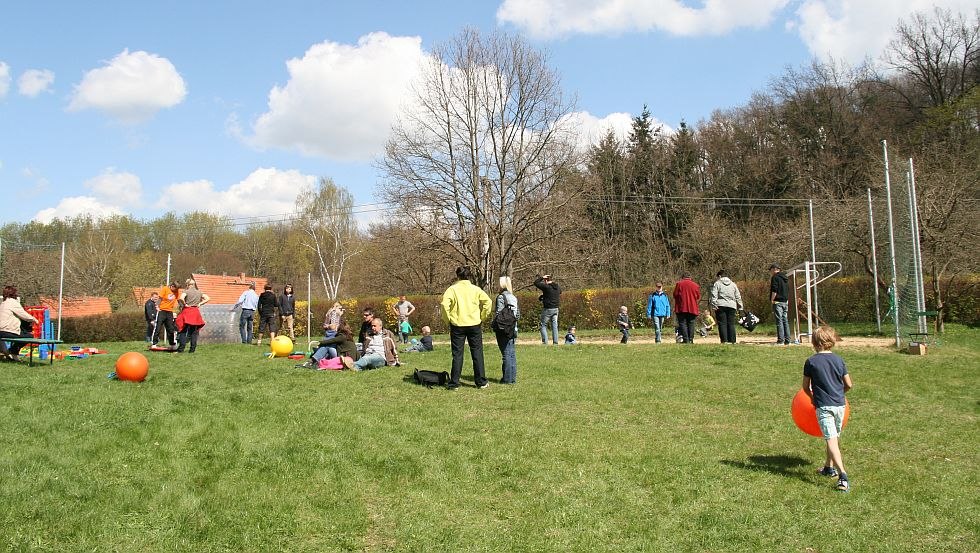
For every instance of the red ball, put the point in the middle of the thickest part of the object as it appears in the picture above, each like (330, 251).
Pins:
(805, 414)
(132, 366)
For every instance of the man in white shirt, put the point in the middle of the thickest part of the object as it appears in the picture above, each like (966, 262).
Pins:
(249, 302)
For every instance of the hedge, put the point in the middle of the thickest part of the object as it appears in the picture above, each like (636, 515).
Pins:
(841, 300)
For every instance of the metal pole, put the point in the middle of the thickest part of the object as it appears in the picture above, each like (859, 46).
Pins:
(309, 310)
(809, 299)
(917, 248)
(874, 262)
(813, 259)
(891, 243)
(168, 270)
(61, 288)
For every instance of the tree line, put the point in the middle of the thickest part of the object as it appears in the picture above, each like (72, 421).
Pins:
(482, 169)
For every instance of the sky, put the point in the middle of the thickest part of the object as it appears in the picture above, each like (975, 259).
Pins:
(231, 107)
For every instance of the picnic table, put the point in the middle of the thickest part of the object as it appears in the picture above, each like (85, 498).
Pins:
(32, 344)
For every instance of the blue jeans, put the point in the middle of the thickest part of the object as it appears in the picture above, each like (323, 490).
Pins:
(245, 325)
(626, 335)
(324, 352)
(508, 357)
(549, 315)
(780, 310)
(658, 326)
(370, 361)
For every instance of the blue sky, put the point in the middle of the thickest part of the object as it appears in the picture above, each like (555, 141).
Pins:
(230, 107)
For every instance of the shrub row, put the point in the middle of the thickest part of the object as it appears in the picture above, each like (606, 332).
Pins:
(841, 300)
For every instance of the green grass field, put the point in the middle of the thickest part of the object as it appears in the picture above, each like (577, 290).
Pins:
(597, 448)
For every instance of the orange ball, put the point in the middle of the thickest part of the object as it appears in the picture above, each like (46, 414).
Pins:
(132, 366)
(805, 414)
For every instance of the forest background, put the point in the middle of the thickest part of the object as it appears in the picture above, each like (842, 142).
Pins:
(484, 172)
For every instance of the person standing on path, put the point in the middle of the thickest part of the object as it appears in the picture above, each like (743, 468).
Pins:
(287, 310)
(550, 298)
(726, 300)
(687, 294)
(464, 307)
(249, 302)
(779, 296)
(403, 309)
(658, 310)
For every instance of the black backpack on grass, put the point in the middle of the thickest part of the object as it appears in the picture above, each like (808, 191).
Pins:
(431, 378)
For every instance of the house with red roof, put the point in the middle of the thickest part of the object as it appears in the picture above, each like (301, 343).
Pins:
(78, 306)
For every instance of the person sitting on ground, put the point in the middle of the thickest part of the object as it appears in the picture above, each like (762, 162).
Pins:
(570, 336)
(378, 347)
(705, 323)
(422, 344)
(11, 315)
(340, 344)
(367, 317)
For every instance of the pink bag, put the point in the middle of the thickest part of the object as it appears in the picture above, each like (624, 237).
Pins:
(333, 364)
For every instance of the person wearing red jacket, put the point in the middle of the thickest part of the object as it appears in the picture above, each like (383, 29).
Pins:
(687, 294)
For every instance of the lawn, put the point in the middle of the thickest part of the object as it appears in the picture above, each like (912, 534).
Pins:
(597, 448)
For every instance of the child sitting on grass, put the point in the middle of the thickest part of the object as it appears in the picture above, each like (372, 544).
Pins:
(423, 344)
(705, 323)
(570, 337)
(624, 324)
(825, 380)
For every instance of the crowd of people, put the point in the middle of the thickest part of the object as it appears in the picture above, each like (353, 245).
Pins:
(173, 315)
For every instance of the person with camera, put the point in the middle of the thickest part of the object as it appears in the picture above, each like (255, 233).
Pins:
(550, 298)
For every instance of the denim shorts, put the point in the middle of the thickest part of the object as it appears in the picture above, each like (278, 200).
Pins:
(830, 419)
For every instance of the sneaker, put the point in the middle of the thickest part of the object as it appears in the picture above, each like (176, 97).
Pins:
(484, 385)
(305, 365)
(827, 471)
(843, 486)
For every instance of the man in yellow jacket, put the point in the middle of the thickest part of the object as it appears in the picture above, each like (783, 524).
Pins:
(464, 307)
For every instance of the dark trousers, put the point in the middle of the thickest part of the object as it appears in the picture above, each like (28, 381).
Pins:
(726, 317)
(150, 327)
(165, 322)
(189, 334)
(458, 335)
(685, 323)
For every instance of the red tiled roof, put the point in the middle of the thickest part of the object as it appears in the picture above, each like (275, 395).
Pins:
(142, 293)
(79, 306)
(225, 290)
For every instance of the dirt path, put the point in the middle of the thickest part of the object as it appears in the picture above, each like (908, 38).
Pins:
(749, 339)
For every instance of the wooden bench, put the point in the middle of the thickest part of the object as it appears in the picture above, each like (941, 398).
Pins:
(32, 344)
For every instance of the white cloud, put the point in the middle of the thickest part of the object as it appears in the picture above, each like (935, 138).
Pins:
(266, 191)
(117, 189)
(851, 30)
(592, 129)
(341, 99)
(77, 206)
(551, 18)
(35, 81)
(4, 79)
(131, 87)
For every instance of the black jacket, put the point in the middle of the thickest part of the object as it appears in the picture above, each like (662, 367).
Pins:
(287, 304)
(267, 304)
(150, 311)
(780, 285)
(550, 293)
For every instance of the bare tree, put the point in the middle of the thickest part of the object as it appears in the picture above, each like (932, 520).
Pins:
(327, 219)
(938, 56)
(478, 159)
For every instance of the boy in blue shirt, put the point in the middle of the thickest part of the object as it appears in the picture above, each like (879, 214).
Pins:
(825, 380)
